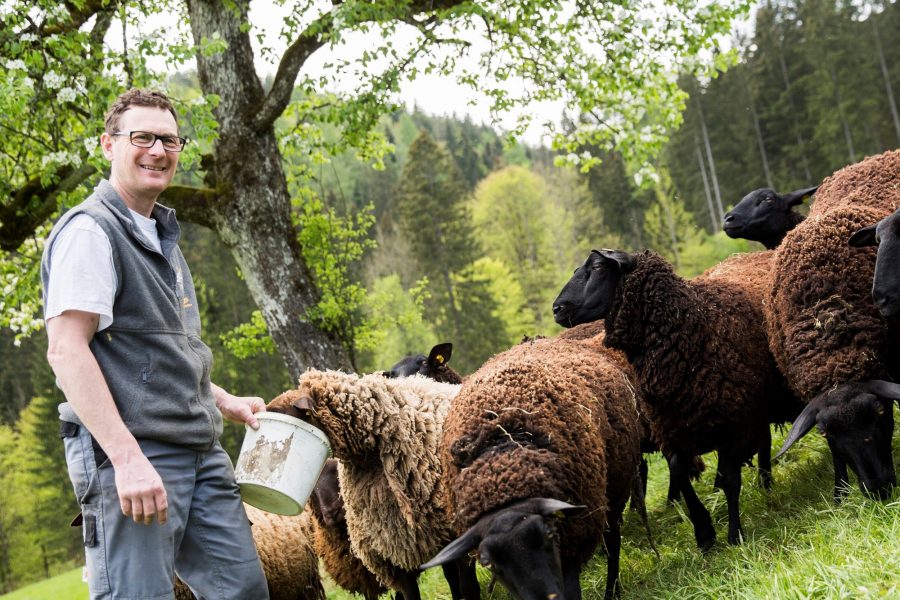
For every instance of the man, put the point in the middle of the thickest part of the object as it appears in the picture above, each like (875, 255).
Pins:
(142, 419)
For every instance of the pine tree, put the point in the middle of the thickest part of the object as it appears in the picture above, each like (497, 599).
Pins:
(434, 220)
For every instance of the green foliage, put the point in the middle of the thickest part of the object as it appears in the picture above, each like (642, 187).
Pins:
(519, 224)
(331, 243)
(397, 326)
(435, 222)
(249, 339)
(36, 498)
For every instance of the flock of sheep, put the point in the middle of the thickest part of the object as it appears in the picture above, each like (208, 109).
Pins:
(527, 464)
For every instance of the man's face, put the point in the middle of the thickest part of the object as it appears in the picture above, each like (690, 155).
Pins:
(141, 173)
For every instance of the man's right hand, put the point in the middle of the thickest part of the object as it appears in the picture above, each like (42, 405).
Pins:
(142, 495)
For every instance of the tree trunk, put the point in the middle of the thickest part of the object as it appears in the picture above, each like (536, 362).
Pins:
(251, 210)
(758, 130)
(848, 137)
(798, 131)
(887, 79)
(709, 202)
(712, 164)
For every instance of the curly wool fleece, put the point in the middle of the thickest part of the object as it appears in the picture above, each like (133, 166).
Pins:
(385, 433)
(549, 418)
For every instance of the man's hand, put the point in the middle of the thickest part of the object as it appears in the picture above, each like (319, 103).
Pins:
(238, 409)
(141, 493)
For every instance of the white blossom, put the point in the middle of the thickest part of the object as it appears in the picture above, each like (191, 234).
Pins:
(90, 144)
(16, 65)
(66, 94)
(53, 80)
(28, 37)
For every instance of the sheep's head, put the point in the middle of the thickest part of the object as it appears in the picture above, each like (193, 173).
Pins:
(765, 216)
(857, 420)
(519, 544)
(434, 366)
(589, 293)
(886, 286)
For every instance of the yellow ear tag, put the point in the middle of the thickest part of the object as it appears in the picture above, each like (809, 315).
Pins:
(440, 359)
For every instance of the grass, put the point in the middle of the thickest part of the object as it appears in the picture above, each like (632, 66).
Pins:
(67, 586)
(799, 545)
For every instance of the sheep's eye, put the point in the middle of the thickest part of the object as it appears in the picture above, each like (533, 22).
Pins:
(867, 439)
(823, 433)
(880, 411)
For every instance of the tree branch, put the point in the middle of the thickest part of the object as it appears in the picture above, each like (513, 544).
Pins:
(294, 58)
(193, 204)
(33, 204)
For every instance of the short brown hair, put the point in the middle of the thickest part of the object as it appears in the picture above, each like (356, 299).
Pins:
(136, 97)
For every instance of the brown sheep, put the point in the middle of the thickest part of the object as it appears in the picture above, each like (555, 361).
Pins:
(544, 429)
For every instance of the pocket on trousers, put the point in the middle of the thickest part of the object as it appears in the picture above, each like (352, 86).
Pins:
(94, 549)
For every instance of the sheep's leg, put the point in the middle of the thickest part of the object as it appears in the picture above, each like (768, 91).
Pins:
(674, 494)
(704, 533)
(841, 478)
(642, 474)
(452, 576)
(765, 461)
(409, 587)
(460, 575)
(571, 581)
(612, 539)
(730, 469)
(469, 588)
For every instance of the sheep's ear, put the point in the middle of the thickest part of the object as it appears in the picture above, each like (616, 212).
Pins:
(884, 389)
(440, 354)
(802, 424)
(798, 196)
(455, 549)
(558, 508)
(864, 237)
(623, 259)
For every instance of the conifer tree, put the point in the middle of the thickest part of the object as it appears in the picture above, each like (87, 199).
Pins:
(434, 220)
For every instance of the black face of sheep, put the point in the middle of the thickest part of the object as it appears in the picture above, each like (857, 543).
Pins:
(421, 364)
(857, 419)
(518, 543)
(886, 287)
(765, 216)
(589, 294)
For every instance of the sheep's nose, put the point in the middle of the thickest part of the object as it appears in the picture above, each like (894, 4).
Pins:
(729, 218)
(557, 308)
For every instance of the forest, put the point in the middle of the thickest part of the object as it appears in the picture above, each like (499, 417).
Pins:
(414, 228)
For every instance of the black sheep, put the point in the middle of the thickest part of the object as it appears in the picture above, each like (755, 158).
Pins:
(766, 216)
(702, 362)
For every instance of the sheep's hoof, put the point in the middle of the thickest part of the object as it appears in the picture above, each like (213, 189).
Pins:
(706, 545)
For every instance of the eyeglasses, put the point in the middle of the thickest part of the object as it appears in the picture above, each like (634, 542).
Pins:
(145, 139)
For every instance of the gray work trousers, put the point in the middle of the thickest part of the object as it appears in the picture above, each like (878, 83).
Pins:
(206, 539)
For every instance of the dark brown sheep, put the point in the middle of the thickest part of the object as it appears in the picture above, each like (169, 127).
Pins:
(832, 344)
(701, 358)
(546, 428)
(873, 182)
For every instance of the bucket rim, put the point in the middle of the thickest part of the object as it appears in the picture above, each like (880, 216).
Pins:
(293, 421)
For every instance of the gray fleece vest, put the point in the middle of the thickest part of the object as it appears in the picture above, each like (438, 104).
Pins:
(152, 358)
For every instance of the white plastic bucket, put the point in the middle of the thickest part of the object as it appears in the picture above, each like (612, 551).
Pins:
(280, 463)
